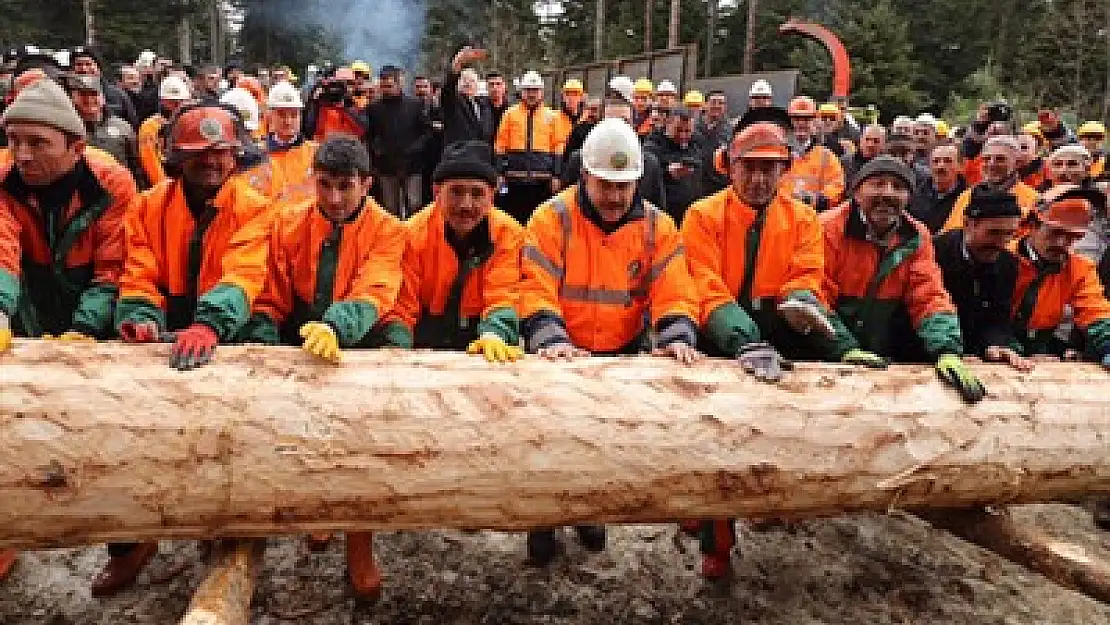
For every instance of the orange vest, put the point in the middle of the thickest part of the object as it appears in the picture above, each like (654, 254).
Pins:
(1026, 198)
(150, 149)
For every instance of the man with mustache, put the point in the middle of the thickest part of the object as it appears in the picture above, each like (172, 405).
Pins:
(61, 226)
(196, 260)
(980, 274)
(755, 254)
(333, 272)
(999, 169)
(604, 273)
(936, 196)
(883, 280)
(1068, 164)
(1052, 276)
(462, 264)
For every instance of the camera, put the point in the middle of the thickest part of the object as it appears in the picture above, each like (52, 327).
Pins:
(1000, 112)
(333, 91)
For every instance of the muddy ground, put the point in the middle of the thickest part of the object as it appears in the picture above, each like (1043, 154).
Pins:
(863, 570)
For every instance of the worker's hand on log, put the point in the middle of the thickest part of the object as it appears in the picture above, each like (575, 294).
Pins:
(997, 353)
(952, 369)
(494, 349)
(320, 341)
(194, 347)
(871, 360)
(562, 351)
(138, 332)
(686, 354)
(70, 336)
(805, 314)
(763, 361)
(5, 333)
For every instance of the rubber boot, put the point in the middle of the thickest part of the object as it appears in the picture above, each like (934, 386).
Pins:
(543, 546)
(717, 541)
(7, 561)
(592, 537)
(122, 570)
(366, 577)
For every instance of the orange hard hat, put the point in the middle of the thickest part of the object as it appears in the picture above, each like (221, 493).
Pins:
(27, 78)
(204, 128)
(1069, 207)
(761, 140)
(254, 87)
(802, 106)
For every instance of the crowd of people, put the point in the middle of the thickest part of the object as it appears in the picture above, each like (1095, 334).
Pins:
(213, 207)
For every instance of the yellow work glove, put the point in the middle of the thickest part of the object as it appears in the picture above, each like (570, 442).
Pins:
(5, 333)
(72, 335)
(320, 340)
(494, 349)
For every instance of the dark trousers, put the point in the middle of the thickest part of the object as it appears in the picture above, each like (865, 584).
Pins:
(522, 198)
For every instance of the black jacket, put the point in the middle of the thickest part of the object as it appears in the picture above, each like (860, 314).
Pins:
(576, 139)
(708, 140)
(932, 208)
(397, 131)
(683, 190)
(119, 103)
(464, 119)
(1104, 272)
(146, 100)
(983, 293)
(652, 188)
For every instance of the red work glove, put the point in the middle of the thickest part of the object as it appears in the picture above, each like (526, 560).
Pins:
(138, 332)
(194, 347)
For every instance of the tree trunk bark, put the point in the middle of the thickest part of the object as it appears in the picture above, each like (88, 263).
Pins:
(105, 442)
(749, 39)
(1066, 564)
(599, 30)
(90, 23)
(649, 25)
(673, 36)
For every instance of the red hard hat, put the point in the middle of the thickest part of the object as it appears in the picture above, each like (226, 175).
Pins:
(802, 106)
(204, 128)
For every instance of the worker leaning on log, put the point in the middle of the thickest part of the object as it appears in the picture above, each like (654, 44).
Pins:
(883, 280)
(605, 273)
(462, 264)
(61, 226)
(196, 260)
(333, 271)
(755, 255)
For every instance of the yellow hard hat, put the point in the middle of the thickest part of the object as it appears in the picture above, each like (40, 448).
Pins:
(360, 67)
(693, 98)
(1032, 128)
(829, 108)
(643, 85)
(573, 85)
(943, 129)
(1092, 128)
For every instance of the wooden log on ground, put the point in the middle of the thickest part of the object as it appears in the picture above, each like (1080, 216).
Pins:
(224, 596)
(1067, 564)
(105, 442)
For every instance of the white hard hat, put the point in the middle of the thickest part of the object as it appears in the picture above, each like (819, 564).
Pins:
(62, 57)
(482, 89)
(666, 86)
(760, 89)
(612, 152)
(622, 85)
(531, 80)
(173, 88)
(284, 96)
(243, 102)
(926, 118)
(147, 57)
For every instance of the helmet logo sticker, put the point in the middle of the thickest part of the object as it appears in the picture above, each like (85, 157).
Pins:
(619, 160)
(211, 129)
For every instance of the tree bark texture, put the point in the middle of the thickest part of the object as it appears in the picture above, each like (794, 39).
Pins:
(105, 442)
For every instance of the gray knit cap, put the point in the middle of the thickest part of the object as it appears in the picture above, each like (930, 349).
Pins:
(44, 102)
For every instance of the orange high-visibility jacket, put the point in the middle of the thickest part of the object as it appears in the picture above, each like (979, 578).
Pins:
(869, 286)
(332, 120)
(596, 290)
(157, 284)
(1026, 198)
(790, 256)
(527, 144)
(150, 149)
(64, 275)
(817, 172)
(564, 125)
(1040, 298)
(293, 166)
(488, 298)
(365, 275)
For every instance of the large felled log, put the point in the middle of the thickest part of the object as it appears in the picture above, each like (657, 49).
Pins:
(101, 442)
(1064, 563)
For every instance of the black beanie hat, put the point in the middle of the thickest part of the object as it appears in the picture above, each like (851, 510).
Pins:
(987, 202)
(885, 165)
(466, 159)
